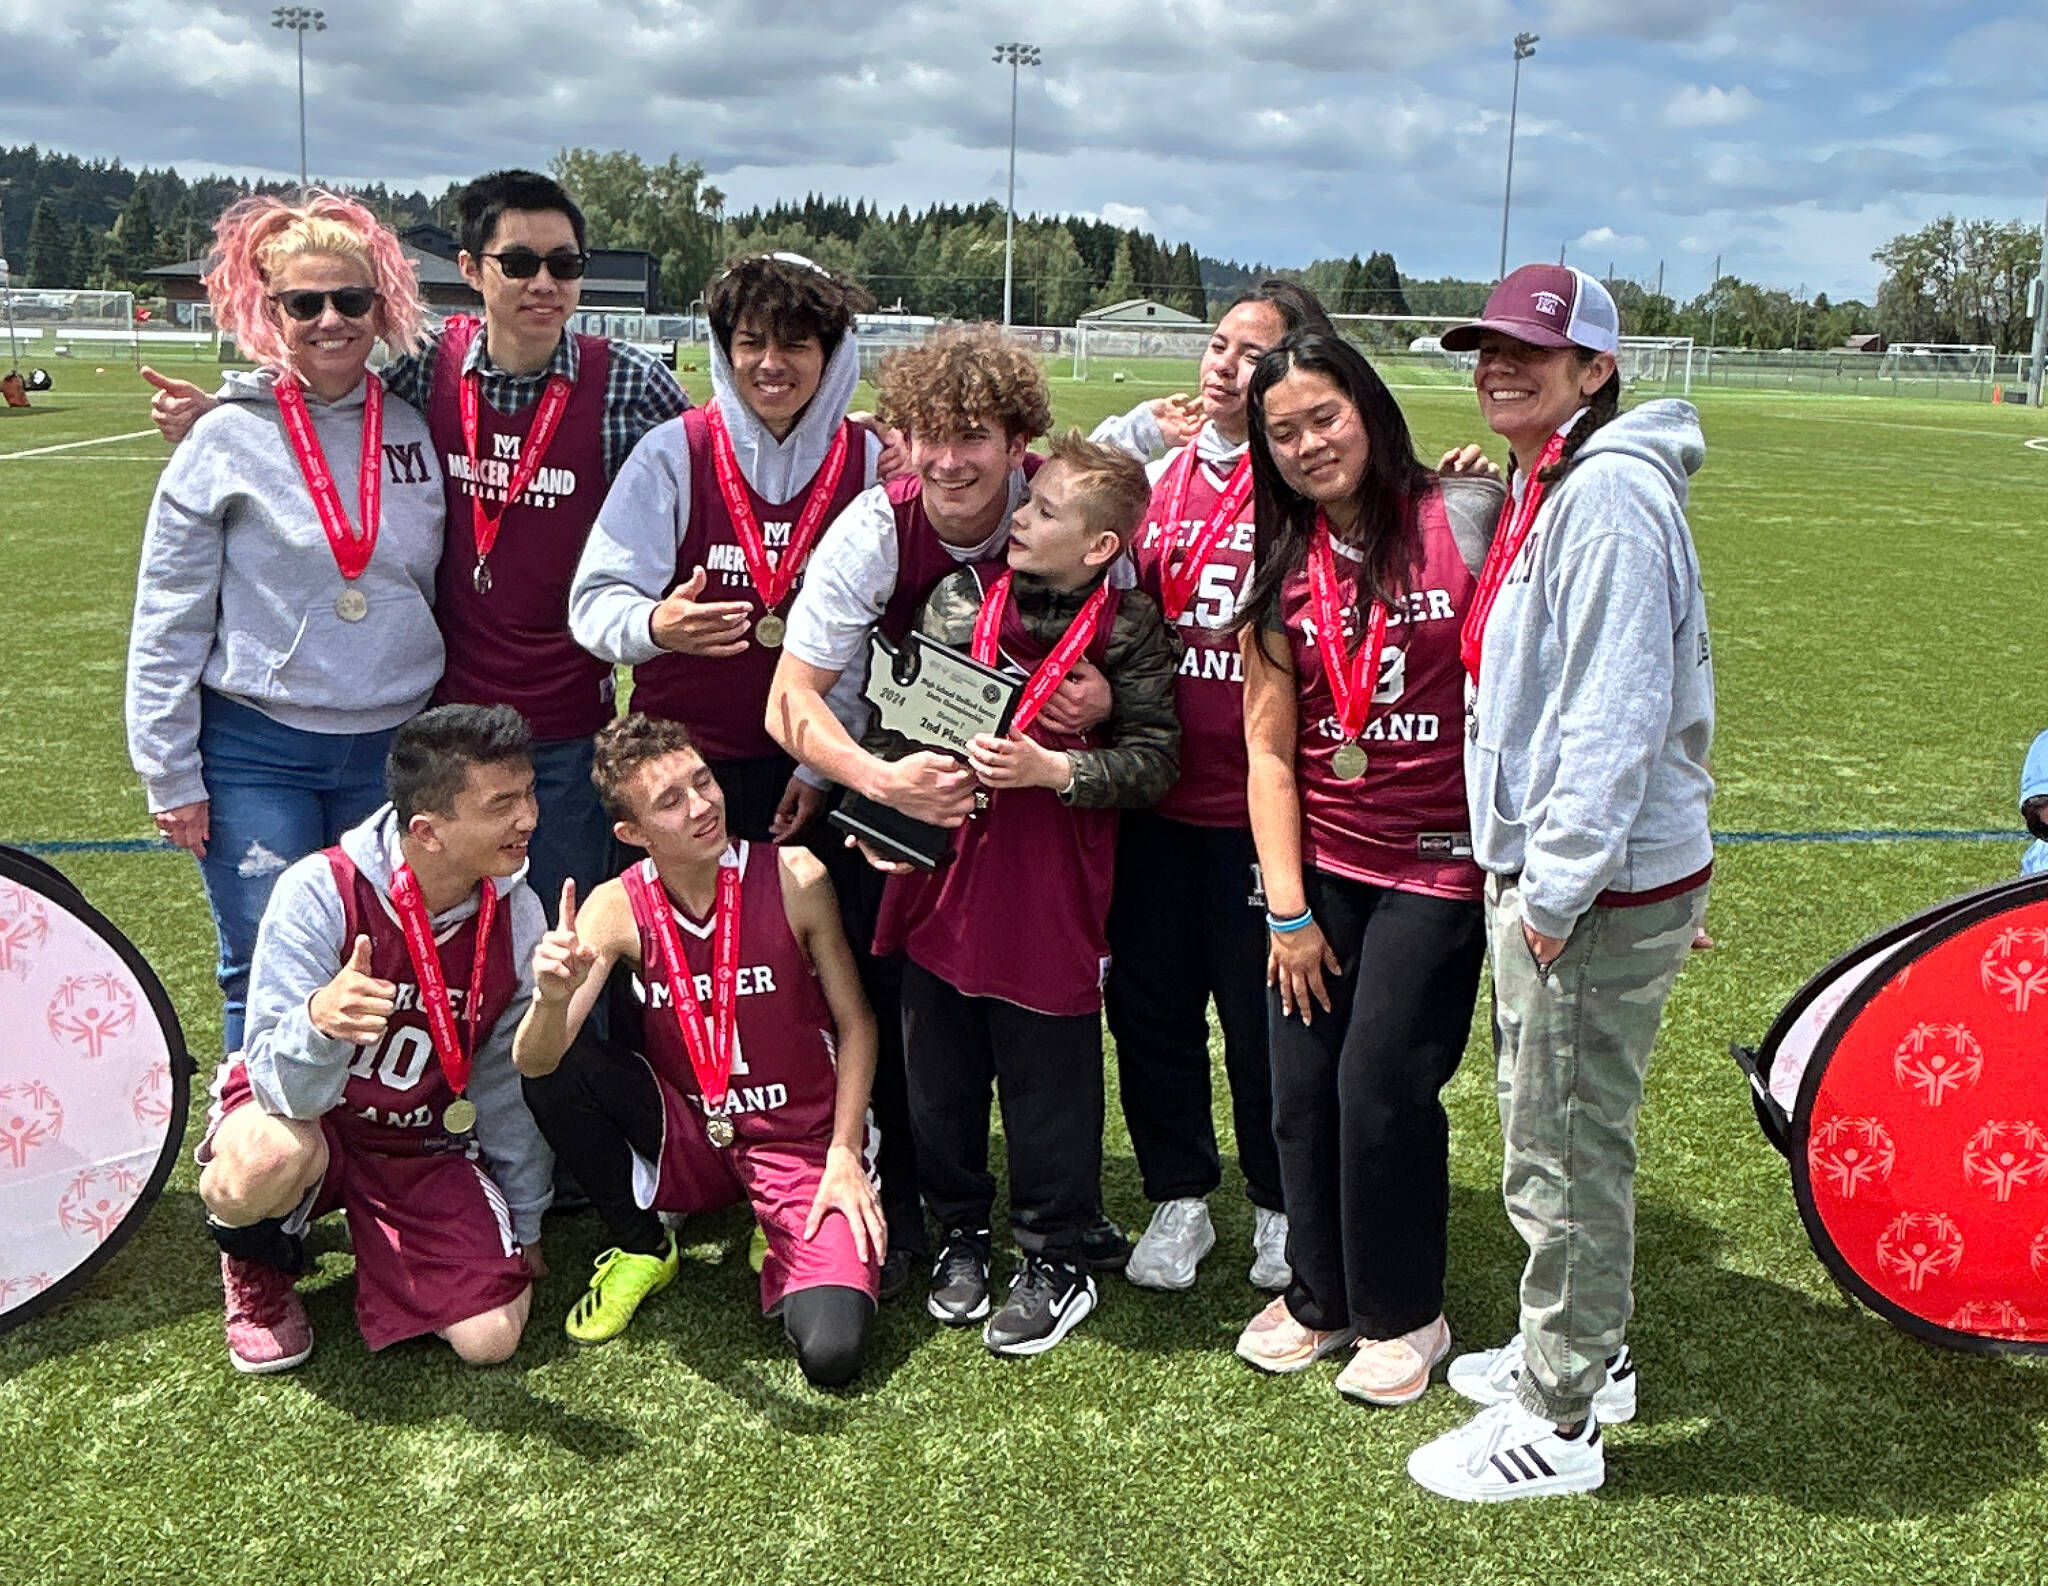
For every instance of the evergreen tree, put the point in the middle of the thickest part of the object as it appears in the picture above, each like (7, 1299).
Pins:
(135, 235)
(1382, 285)
(49, 250)
(1122, 284)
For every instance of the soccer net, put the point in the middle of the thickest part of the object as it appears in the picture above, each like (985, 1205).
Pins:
(1663, 361)
(1155, 354)
(50, 324)
(1936, 362)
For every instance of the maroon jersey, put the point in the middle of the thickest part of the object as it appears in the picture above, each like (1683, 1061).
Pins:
(396, 1089)
(513, 646)
(785, 1082)
(1020, 911)
(922, 558)
(1403, 824)
(1208, 692)
(724, 700)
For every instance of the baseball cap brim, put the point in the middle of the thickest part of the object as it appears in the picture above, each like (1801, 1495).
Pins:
(1465, 338)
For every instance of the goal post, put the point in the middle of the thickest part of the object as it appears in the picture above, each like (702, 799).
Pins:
(1664, 361)
(1933, 362)
(75, 324)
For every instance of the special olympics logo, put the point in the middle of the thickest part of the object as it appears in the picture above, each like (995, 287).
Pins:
(150, 1100)
(2004, 1156)
(24, 926)
(1991, 1319)
(1918, 1246)
(1848, 1154)
(96, 1201)
(2015, 965)
(16, 1289)
(2037, 1257)
(30, 1115)
(91, 1010)
(1937, 1060)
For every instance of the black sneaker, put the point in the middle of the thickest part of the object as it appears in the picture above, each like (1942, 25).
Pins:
(897, 1267)
(1047, 1301)
(960, 1278)
(1104, 1246)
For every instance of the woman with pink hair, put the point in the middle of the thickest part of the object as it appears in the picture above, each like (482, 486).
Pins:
(284, 621)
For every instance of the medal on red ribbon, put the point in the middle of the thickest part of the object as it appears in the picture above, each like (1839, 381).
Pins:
(710, 1045)
(1510, 533)
(1180, 566)
(773, 580)
(455, 1048)
(1053, 670)
(351, 551)
(1351, 681)
(554, 401)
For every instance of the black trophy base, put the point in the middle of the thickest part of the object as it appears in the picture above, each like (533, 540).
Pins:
(892, 834)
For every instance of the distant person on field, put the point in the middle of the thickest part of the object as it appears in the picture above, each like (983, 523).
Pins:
(284, 621)
(2034, 807)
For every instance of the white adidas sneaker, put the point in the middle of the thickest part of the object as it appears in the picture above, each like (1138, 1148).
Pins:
(1504, 1452)
(1491, 1376)
(1172, 1246)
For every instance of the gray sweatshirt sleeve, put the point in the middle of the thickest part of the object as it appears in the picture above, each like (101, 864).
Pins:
(519, 1161)
(1611, 594)
(294, 1070)
(1136, 432)
(177, 609)
(629, 560)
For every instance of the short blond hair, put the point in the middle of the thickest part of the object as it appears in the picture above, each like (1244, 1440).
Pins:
(1110, 484)
(964, 375)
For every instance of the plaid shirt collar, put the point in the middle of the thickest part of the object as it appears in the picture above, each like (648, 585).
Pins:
(566, 361)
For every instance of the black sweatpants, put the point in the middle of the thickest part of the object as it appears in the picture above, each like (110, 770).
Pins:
(1188, 923)
(1364, 1140)
(753, 789)
(1046, 1071)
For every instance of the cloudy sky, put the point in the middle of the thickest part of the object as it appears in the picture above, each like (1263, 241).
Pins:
(1790, 137)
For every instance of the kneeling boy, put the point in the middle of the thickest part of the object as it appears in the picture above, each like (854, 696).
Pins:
(751, 1077)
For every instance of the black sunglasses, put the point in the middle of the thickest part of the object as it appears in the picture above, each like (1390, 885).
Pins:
(351, 302)
(564, 264)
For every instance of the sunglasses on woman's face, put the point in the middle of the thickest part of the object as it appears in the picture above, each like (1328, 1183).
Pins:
(521, 264)
(350, 302)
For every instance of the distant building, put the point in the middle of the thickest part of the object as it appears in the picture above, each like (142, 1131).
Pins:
(1138, 311)
(441, 284)
(1868, 343)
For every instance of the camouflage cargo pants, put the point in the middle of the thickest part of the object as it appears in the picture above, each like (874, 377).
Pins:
(1572, 1047)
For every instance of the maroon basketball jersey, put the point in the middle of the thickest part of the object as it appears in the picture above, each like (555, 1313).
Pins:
(785, 1082)
(513, 646)
(396, 1089)
(1403, 824)
(922, 558)
(724, 700)
(1208, 691)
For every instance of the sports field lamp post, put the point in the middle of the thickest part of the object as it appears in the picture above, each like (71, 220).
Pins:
(1525, 46)
(300, 20)
(1012, 56)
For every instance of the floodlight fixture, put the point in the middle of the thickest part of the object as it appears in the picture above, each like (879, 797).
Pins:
(1525, 46)
(299, 21)
(1012, 56)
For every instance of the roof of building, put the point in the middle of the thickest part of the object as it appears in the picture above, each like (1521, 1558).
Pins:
(433, 271)
(1142, 308)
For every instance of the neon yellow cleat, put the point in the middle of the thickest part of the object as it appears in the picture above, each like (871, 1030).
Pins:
(757, 1249)
(616, 1291)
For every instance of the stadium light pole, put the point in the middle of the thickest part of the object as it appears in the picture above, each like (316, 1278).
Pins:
(300, 20)
(1012, 56)
(1525, 46)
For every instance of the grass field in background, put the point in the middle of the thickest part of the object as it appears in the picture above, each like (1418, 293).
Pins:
(1873, 573)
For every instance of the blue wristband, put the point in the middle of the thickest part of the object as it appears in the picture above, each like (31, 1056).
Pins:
(1300, 922)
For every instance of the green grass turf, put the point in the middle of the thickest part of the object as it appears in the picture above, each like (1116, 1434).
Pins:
(1874, 602)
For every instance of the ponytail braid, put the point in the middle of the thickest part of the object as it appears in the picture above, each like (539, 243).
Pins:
(1603, 407)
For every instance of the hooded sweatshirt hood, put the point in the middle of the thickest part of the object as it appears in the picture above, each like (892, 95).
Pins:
(1664, 435)
(778, 469)
(373, 846)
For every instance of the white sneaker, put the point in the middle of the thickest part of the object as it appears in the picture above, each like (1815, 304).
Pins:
(1505, 1452)
(1491, 1376)
(1173, 1245)
(1270, 1270)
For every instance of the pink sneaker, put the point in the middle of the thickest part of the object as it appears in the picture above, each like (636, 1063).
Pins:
(1395, 1370)
(1274, 1341)
(266, 1321)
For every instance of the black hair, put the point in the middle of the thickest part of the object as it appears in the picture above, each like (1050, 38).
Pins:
(794, 299)
(431, 754)
(1388, 492)
(484, 201)
(1300, 309)
(1602, 407)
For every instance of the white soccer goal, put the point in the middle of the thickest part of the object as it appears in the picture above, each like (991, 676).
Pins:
(1137, 351)
(50, 324)
(1932, 362)
(1664, 361)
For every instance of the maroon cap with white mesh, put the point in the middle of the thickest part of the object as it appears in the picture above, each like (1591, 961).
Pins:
(1546, 305)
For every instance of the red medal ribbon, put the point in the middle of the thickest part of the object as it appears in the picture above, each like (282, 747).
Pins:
(1053, 670)
(773, 581)
(1180, 566)
(710, 1048)
(554, 401)
(1352, 684)
(1509, 535)
(351, 552)
(449, 1045)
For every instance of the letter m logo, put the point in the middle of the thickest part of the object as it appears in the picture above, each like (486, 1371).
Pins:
(506, 446)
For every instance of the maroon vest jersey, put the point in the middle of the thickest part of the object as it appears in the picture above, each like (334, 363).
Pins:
(1020, 910)
(1208, 692)
(396, 1089)
(785, 1082)
(921, 556)
(1403, 824)
(513, 646)
(724, 700)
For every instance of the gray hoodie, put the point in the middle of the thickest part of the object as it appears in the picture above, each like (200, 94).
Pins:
(237, 584)
(296, 1072)
(1586, 766)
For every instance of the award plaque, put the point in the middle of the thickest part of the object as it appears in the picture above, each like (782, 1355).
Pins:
(939, 699)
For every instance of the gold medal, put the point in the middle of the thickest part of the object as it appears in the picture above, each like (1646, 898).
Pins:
(459, 1116)
(719, 1132)
(481, 576)
(770, 629)
(1349, 762)
(351, 605)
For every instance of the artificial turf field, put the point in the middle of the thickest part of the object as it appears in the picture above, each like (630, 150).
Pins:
(1876, 605)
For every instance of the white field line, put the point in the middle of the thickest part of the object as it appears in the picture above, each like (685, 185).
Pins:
(71, 446)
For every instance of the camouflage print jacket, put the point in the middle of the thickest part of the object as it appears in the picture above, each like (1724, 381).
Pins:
(1139, 754)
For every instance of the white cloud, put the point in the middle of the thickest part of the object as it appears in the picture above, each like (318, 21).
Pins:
(1693, 106)
(1608, 237)
(1135, 216)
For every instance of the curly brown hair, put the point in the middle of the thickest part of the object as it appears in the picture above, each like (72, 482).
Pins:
(623, 747)
(964, 376)
(789, 295)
